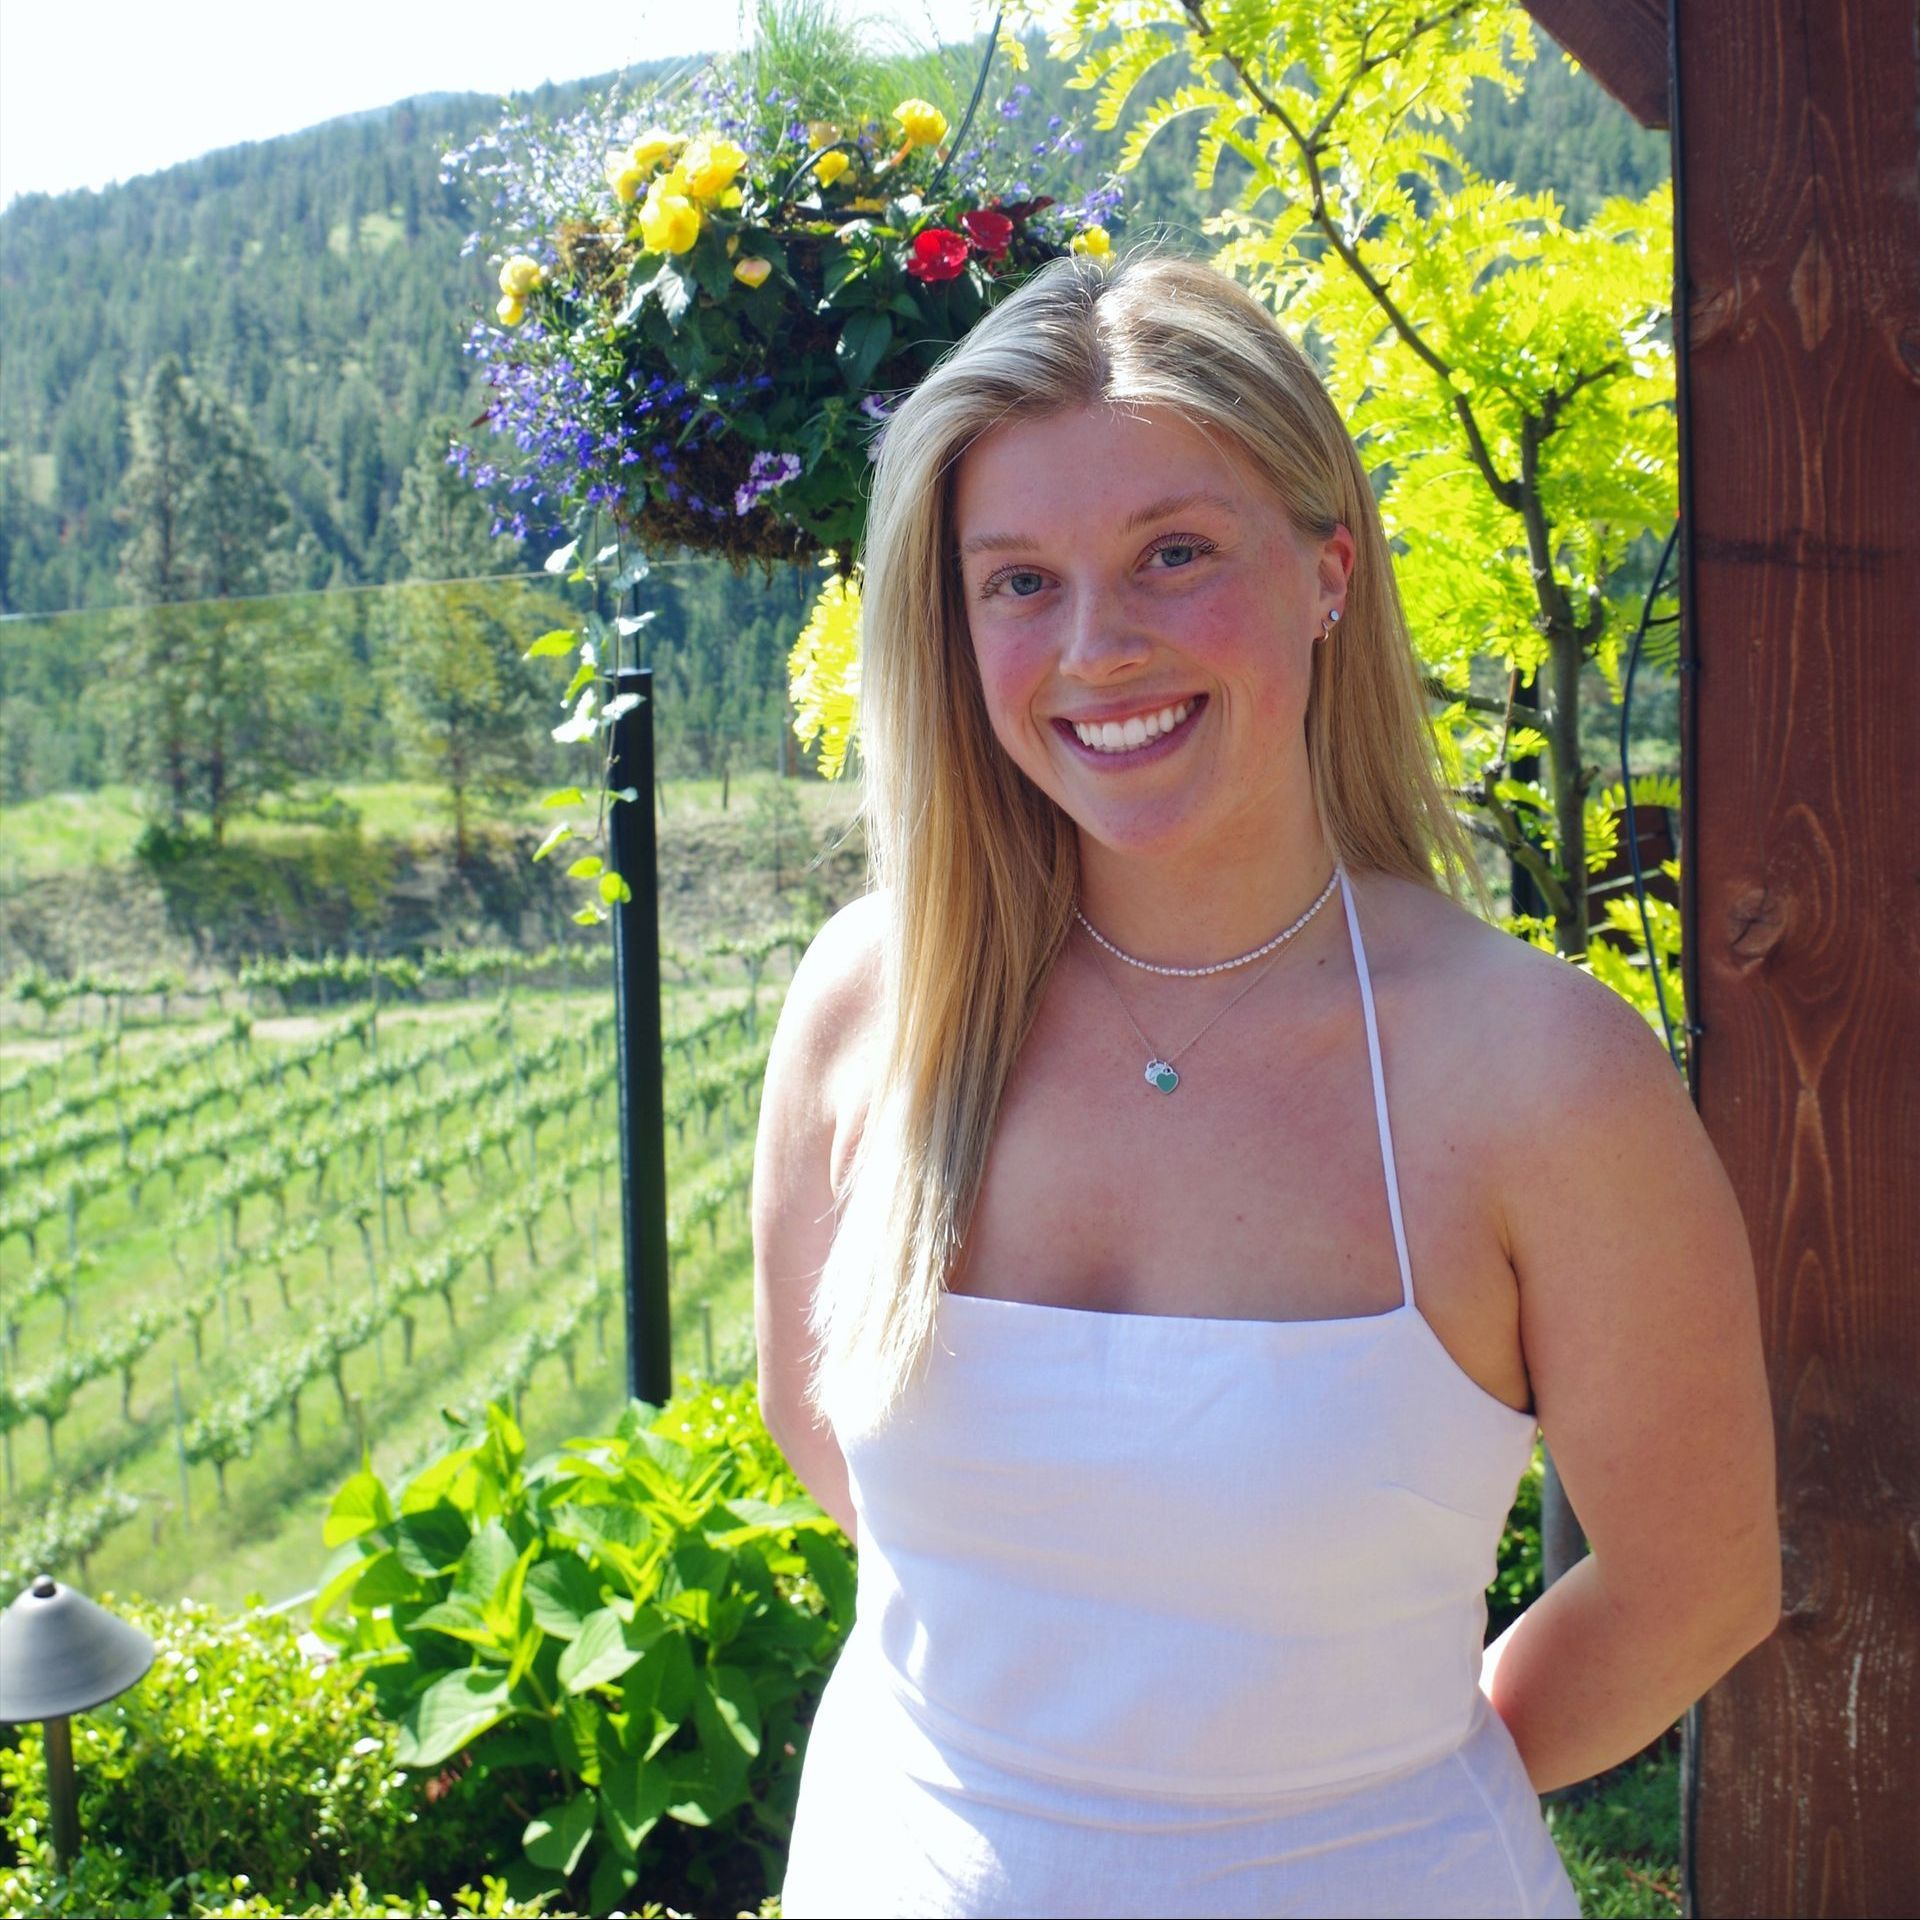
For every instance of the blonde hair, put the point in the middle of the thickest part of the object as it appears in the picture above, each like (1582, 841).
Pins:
(978, 868)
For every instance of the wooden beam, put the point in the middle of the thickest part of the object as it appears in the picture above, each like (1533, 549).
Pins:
(1798, 196)
(1622, 43)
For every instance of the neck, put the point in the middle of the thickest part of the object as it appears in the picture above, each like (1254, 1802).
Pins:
(1178, 912)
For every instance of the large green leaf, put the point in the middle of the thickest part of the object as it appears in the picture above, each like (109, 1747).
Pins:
(557, 1838)
(832, 1569)
(863, 340)
(443, 1482)
(456, 1709)
(341, 1574)
(386, 1582)
(432, 1540)
(726, 1710)
(562, 1591)
(359, 1507)
(699, 1791)
(605, 1647)
(633, 1795)
(458, 1620)
(613, 1878)
(484, 1565)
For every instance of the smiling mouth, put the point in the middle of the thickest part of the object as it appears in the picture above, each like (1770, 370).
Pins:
(1136, 732)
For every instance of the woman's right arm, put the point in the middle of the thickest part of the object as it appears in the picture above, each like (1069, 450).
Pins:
(811, 1106)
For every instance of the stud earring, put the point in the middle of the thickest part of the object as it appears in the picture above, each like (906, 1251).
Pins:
(1332, 621)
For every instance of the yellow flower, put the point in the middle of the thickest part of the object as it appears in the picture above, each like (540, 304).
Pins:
(924, 123)
(869, 205)
(821, 133)
(1093, 242)
(625, 178)
(669, 222)
(753, 270)
(708, 167)
(653, 146)
(823, 674)
(510, 310)
(830, 166)
(520, 276)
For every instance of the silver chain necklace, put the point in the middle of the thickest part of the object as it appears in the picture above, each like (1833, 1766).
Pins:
(1160, 1073)
(1219, 966)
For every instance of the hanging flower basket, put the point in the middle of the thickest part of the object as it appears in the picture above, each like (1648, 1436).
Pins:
(710, 300)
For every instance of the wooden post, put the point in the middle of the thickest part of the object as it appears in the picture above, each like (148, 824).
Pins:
(1798, 195)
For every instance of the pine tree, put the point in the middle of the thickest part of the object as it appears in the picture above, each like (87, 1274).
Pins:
(212, 730)
(462, 700)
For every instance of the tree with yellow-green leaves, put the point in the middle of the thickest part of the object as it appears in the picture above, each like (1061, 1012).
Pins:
(1508, 377)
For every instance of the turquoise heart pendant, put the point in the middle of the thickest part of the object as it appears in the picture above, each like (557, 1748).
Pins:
(1162, 1076)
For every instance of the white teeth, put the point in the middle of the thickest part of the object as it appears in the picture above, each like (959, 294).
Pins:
(1115, 736)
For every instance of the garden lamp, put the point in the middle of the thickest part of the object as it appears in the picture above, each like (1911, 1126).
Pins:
(61, 1653)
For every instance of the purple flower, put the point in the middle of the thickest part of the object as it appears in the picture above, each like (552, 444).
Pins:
(769, 470)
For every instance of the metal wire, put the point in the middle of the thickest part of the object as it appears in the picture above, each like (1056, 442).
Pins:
(1626, 785)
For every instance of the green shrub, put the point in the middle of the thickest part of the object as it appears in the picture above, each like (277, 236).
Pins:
(1516, 1581)
(614, 1653)
(235, 1775)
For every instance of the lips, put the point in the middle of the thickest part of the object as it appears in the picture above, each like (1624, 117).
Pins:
(1135, 735)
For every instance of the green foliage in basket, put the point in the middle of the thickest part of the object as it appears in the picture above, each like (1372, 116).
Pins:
(711, 292)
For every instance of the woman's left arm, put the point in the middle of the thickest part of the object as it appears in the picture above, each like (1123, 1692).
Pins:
(1640, 1323)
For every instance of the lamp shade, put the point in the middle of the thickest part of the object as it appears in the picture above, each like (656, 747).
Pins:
(62, 1653)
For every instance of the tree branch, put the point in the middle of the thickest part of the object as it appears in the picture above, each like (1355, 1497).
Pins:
(1505, 491)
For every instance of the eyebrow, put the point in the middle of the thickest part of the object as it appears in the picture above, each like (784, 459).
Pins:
(1154, 510)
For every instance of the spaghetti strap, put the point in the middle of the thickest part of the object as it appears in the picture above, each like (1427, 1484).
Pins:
(1379, 1089)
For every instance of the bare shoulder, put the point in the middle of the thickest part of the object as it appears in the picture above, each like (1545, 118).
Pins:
(1539, 1028)
(814, 1070)
(1638, 1305)
(831, 1005)
(817, 1065)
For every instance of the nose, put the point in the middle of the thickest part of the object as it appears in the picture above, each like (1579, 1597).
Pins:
(1099, 642)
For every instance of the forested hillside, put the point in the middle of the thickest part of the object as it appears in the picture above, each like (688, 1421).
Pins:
(317, 283)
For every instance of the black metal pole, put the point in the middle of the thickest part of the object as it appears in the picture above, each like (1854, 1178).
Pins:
(636, 989)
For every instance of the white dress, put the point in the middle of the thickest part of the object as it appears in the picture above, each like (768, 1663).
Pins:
(1162, 1615)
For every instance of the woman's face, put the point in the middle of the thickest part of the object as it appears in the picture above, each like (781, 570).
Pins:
(1143, 614)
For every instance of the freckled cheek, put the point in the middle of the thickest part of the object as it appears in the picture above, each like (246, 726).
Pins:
(1014, 672)
(1237, 646)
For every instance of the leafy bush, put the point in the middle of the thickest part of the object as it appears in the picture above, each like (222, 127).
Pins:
(619, 1646)
(1516, 1581)
(235, 1777)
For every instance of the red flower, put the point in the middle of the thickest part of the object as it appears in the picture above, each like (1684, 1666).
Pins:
(938, 253)
(988, 231)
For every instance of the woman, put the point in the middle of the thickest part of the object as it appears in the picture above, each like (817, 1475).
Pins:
(1173, 1392)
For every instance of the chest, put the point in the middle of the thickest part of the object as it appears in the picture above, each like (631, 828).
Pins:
(1256, 1189)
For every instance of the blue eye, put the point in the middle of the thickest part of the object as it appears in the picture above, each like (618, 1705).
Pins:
(1168, 543)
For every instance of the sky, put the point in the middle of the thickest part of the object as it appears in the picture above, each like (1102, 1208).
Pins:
(103, 90)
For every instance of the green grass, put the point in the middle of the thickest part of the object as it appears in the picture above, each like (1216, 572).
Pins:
(264, 1537)
(1621, 1847)
(63, 831)
(68, 832)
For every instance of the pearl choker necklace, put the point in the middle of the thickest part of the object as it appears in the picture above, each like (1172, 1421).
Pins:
(1219, 966)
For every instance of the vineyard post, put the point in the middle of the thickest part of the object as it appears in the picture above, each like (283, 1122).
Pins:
(7, 1365)
(636, 978)
(180, 1447)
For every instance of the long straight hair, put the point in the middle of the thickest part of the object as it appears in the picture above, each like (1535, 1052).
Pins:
(978, 869)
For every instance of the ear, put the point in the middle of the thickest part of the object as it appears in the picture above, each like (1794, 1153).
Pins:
(1336, 567)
